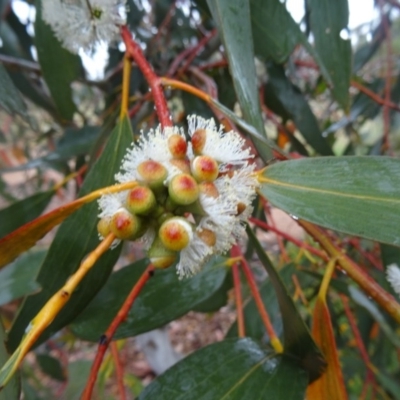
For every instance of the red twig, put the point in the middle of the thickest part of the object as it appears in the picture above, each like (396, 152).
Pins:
(164, 24)
(275, 342)
(374, 96)
(295, 241)
(196, 50)
(216, 64)
(366, 254)
(238, 300)
(118, 370)
(134, 50)
(191, 53)
(370, 378)
(107, 337)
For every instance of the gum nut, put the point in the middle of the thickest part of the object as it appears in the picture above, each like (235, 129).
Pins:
(140, 200)
(183, 189)
(177, 146)
(198, 140)
(124, 225)
(103, 227)
(175, 233)
(153, 173)
(160, 256)
(205, 169)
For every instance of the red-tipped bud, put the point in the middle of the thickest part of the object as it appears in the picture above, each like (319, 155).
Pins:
(140, 200)
(153, 173)
(199, 138)
(205, 169)
(208, 237)
(125, 225)
(209, 189)
(160, 256)
(183, 189)
(175, 233)
(183, 165)
(103, 227)
(177, 146)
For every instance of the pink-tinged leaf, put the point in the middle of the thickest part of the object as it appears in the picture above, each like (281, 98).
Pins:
(27, 235)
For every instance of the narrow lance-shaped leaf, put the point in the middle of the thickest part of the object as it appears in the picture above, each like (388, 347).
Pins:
(275, 32)
(330, 384)
(233, 19)
(59, 66)
(327, 20)
(280, 90)
(75, 238)
(27, 235)
(234, 369)
(297, 338)
(356, 195)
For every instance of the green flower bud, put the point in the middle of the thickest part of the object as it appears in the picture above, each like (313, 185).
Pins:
(140, 200)
(177, 146)
(125, 225)
(183, 189)
(153, 173)
(175, 233)
(205, 169)
(103, 227)
(199, 138)
(160, 256)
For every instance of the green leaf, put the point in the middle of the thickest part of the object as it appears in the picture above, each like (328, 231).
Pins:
(51, 366)
(10, 98)
(292, 101)
(232, 369)
(19, 278)
(390, 255)
(297, 337)
(217, 299)
(75, 238)
(233, 20)
(163, 299)
(327, 20)
(59, 66)
(275, 32)
(12, 390)
(356, 195)
(23, 211)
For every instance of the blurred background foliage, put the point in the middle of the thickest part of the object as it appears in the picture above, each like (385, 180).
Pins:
(320, 94)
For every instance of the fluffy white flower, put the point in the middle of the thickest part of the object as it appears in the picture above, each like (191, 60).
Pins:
(393, 277)
(84, 23)
(226, 148)
(218, 214)
(153, 146)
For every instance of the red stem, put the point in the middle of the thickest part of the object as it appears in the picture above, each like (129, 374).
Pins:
(256, 294)
(370, 378)
(238, 300)
(107, 337)
(197, 49)
(119, 371)
(134, 50)
(297, 242)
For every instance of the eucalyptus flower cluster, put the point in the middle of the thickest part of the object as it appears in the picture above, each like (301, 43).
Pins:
(82, 24)
(192, 198)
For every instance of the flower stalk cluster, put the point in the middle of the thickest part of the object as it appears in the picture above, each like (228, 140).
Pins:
(192, 199)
